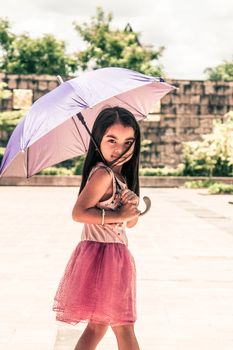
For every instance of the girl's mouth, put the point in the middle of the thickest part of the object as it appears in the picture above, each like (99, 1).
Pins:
(115, 157)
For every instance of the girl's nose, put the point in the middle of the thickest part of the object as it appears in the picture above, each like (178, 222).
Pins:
(118, 149)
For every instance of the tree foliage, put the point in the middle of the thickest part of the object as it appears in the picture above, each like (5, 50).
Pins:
(223, 71)
(114, 47)
(21, 54)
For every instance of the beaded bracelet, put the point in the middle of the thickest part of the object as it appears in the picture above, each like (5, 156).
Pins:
(103, 215)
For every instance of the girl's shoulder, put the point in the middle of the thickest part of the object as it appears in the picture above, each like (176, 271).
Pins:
(102, 166)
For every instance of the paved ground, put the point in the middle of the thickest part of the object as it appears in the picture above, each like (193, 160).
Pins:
(184, 254)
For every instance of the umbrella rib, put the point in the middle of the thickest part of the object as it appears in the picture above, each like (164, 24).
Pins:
(131, 106)
(79, 133)
(27, 160)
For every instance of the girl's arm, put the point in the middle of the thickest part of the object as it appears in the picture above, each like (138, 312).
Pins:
(96, 188)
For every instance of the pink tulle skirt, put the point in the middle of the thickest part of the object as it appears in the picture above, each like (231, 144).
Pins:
(98, 285)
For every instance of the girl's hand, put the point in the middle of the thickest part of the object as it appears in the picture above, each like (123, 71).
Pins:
(128, 196)
(128, 212)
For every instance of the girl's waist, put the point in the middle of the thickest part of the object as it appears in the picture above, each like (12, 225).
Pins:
(105, 233)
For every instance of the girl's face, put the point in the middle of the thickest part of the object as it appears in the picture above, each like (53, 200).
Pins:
(115, 141)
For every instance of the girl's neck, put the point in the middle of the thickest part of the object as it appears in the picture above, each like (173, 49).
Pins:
(117, 169)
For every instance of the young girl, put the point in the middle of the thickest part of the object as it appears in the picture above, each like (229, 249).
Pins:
(98, 285)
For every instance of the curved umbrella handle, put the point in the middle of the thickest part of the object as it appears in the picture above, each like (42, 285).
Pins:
(148, 205)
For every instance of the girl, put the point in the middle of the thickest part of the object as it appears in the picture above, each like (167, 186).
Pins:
(98, 285)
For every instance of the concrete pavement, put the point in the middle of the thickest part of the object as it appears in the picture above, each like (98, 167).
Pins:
(184, 255)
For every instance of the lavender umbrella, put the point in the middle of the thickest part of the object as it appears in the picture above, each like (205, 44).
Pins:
(51, 131)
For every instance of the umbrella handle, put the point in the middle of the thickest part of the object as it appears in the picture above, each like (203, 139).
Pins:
(148, 205)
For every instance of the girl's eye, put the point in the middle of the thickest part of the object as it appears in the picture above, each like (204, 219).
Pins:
(129, 143)
(111, 141)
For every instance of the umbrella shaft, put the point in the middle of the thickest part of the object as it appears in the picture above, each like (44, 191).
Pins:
(82, 120)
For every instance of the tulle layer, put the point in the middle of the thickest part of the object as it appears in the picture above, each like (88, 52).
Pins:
(98, 285)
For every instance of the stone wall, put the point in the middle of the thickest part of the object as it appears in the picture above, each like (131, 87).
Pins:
(185, 114)
(39, 84)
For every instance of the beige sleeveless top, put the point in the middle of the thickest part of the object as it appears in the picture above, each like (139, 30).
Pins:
(108, 233)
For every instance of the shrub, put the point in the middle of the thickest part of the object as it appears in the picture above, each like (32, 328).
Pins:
(2, 150)
(166, 171)
(214, 155)
(57, 171)
(218, 188)
(4, 92)
(213, 186)
(9, 120)
(199, 183)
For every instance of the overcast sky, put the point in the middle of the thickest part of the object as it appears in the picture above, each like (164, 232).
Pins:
(196, 33)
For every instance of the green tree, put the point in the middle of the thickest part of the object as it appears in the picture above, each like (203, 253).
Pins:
(21, 54)
(223, 71)
(114, 47)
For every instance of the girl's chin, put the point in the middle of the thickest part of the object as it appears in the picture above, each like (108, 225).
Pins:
(119, 163)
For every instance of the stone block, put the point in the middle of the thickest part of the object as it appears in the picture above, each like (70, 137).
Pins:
(14, 76)
(171, 160)
(186, 88)
(168, 138)
(46, 77)
(178, 148)
(7, 104)
(209, 87)
(167, 99)
(203, 131)
(185, 99)
(222, 88)
(170, 131)
(169, 149)
(160, 148)
(12, 84)
(204, 100)
(194, 122)
(43, 86)
(168, 109)
(33, 84)
(204, 109)
(206, 123)
(22, 84)
(183, 121)
(52, 85)
(195, 109)
(180, 137)
(36, 95)
(195, 99)
(219, 110)
(175, 99)
(197, 88)
(168, 121)
(216, 100)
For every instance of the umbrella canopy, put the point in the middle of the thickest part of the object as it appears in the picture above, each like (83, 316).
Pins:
(51, 132)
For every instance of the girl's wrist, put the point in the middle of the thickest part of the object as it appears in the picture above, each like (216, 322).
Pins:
(110, 217)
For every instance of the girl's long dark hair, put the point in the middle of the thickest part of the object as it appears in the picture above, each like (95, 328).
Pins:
(106, 118)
